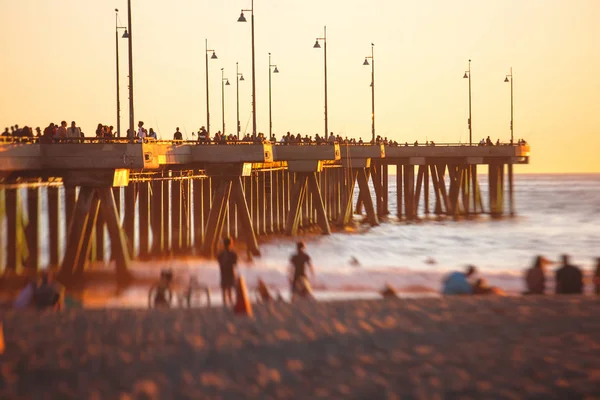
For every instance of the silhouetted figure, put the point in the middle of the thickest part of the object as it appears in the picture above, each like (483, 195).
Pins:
(227, 265)
(47, 294)
(488, 142)
(535, 279)
(569, 279)
(177, 135)
(458, 282)
(597, 277)
(161, 294)
(152, 134)
(298, 278)
(481, 286)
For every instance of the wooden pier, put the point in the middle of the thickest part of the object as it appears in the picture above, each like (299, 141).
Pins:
(164, 198)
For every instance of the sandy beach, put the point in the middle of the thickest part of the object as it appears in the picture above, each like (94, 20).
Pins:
(486, 347)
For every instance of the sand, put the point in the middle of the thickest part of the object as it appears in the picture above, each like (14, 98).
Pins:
(439, 348)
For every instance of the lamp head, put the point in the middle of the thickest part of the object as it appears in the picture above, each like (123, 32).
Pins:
(242, 18)
(506, 79)
(116, 10)
(317, 45)
(214, 56)
(466, 76)
(242, 77)
(227, 82)
(366, 62)
(125, 34)
(275, 71)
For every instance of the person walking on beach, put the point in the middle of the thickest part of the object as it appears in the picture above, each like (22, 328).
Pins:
(569, 278)
(298, 278)
(458, 282)
(535, 278)
(227, 265)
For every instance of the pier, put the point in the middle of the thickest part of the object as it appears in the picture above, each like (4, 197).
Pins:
(174, 198)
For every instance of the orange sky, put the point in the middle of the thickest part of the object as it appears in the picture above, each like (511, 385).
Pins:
(58, 62)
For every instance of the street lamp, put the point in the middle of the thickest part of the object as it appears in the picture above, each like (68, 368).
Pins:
(240, 77)
(125, 36)
(272, 69)
(130, 36)
(242, 18)
(372, 57)
(511, 104)
(468, 76)
(224, 81)
(318, 46)
(213, 57)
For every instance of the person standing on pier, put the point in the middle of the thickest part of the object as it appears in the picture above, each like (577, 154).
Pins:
(298, 279)
(227, 265)
(569, 278)
(177, 135)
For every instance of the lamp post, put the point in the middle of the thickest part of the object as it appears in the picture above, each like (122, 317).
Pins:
(224, 81)
(468, 76)
(125, 36)
(372, 57)
(243, 19)
(272, 70)
(212, 57)
(511, 105)
(130, 36)
(240, 77)
(318, 46)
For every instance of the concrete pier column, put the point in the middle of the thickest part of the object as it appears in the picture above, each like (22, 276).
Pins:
(185, 215)
(54, 236)
(14, 261)
(144, 218)
(399, 189)
(156, 210)
(262, 206)
(34, 209)
(276, 196)
(511, 197)
(129, 221)
(385, 187)
(426, 189)
(166, 214)
(199, 224)
(176, 239)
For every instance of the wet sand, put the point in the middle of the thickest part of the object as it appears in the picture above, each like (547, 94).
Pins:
(484, 348)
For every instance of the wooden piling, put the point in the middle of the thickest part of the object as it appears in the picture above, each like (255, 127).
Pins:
(385, 187)
(144, 218)
(185, 215)
(426, 187)
(129, 220)
(34, 209)
(399, 189)
(156, 218)
(511, 198)
(166, 215)
(54, 237)
(176, 216)
(199, 223)
(14, 260)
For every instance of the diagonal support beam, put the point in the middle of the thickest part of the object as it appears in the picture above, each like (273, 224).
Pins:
(243, 214)
(216, 217)
(363, 185)
(296, 201)
(313, 187)
(346, 210)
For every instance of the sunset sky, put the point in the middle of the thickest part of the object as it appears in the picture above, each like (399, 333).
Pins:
(58, 62)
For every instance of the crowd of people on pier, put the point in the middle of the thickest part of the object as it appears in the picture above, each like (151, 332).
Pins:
(202, 136)
(569, 279)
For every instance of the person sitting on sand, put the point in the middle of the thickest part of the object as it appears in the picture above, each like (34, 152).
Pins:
(47, 293)
(481, 286)
(298, 278)
(160, 294)
(227, 265)
(569, 278)
(535, 279)
(25, 297)
(458, 282)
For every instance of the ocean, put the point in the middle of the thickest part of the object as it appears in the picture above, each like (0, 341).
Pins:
(556, 214)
